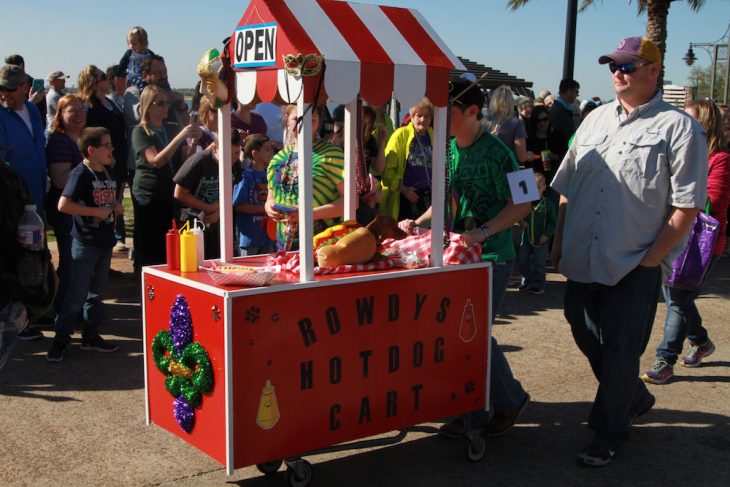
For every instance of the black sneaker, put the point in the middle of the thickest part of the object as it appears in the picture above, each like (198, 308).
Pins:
(30, 334)
(98, 344)
(502, 422)
(597, 455)
(642, 408)
(57, 351)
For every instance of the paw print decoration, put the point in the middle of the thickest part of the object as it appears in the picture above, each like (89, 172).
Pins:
(185, 363)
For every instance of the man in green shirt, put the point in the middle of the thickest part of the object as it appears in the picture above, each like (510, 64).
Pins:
(485, 214)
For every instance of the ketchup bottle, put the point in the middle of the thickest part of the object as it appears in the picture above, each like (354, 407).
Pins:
(172, 245)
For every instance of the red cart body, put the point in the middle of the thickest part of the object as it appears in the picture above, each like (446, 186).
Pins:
(301, 366)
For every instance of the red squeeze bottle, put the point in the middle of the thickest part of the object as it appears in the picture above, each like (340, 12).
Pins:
(172, 246)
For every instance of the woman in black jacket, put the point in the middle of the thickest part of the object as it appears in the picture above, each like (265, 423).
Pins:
(94, 86)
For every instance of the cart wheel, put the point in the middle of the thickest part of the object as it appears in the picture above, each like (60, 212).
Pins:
(300, 474)
(269, 468)
(475, 448)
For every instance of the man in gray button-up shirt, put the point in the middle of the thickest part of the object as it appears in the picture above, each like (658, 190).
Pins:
(630, 187)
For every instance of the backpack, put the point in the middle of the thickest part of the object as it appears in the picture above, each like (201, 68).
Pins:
(38, 300)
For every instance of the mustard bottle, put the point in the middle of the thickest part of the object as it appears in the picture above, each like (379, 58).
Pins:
(188, 250)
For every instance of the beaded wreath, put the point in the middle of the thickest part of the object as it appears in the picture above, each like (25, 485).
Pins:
(186, 364)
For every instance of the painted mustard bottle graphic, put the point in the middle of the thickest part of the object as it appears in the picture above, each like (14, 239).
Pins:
(268, 414)
(468, 328)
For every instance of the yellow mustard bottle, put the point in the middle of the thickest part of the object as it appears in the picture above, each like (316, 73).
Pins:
(188, 250)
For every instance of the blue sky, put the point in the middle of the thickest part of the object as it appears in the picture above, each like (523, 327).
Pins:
(527, 43)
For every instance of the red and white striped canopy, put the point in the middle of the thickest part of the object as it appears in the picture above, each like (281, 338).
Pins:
(368, 49)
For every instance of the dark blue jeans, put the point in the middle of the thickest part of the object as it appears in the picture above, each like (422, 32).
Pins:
(505, 391)
(532, 261)
(611, 326)
(90, 270)
(683, 319)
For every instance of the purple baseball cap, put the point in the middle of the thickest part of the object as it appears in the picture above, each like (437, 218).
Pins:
(632, 49)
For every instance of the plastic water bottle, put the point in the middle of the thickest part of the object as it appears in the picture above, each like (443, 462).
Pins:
(30, 229)
(31, 266)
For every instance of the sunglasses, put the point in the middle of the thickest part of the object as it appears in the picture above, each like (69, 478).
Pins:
(161, 103)
(3, 89)
(540, 120)
(108, 145)
(626, 68)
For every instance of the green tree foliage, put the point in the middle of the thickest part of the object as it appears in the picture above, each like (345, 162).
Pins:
(701, 79)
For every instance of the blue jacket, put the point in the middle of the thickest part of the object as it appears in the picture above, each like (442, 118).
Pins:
(25, 153)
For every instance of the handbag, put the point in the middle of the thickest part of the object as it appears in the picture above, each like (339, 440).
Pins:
(689, 267)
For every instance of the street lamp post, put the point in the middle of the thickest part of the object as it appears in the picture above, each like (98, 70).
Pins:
(723, 42)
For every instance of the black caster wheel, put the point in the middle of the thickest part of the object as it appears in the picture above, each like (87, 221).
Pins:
(269, 468)
(475, 448)
(299, 474)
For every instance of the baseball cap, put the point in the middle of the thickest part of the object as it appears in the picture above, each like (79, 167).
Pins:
(463, 92)
(56, 75)
(12, 76)
(632, 49)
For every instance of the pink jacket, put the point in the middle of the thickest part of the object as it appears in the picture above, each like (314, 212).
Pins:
(718, 189)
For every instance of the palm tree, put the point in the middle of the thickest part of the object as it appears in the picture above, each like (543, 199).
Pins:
(656, 20)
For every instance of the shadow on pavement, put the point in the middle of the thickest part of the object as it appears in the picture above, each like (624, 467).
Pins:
(28, 374)
(541, 451)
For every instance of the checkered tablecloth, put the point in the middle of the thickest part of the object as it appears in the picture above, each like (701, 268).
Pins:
(392, 251)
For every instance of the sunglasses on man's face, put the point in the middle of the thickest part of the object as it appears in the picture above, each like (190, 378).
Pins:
(626, 68)
(6, 90)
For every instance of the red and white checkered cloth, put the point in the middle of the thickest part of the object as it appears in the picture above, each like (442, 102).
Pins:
(455, 254)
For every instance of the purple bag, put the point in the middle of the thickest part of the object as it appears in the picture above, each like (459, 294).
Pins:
(689, 268)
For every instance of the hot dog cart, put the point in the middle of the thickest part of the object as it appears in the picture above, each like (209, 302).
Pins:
(260, 373)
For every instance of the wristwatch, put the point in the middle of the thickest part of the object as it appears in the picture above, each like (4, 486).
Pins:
(487, 232)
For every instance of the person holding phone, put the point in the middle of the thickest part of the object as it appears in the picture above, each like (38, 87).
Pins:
(152, 190)
(34, 91)
(283, 182)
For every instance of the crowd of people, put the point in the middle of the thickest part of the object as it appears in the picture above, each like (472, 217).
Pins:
(605, 174)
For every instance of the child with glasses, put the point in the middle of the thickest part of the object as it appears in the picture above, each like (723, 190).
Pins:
(90, 197)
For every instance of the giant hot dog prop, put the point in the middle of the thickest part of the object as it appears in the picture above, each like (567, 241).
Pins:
(351, 244)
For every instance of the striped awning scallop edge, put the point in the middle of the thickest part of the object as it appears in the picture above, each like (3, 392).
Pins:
(368, 49)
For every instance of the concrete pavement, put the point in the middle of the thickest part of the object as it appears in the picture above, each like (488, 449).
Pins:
(81, 421)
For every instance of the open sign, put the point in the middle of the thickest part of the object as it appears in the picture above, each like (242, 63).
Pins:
(255, 46)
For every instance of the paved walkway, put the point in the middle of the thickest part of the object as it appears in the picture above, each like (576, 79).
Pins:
(81, 422)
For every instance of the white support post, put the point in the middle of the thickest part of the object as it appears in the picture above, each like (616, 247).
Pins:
(351, 199)
(225, 185)
(306, 220)
(438, 174)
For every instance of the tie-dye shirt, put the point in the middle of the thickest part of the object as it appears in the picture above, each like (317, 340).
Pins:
(327, 173)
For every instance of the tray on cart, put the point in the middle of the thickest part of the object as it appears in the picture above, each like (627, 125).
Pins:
(239, 275)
